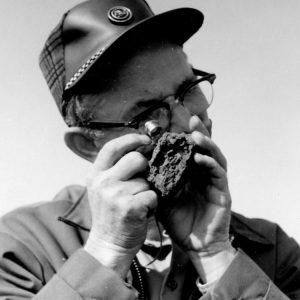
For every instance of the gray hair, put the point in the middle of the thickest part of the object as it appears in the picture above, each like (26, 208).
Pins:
(78, 112)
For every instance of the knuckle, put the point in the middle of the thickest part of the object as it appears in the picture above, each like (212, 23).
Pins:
(105, 182)
(128, 207)
(109, 147)
(102, 187)
(137, 158)
(143, 183)
(143, 187)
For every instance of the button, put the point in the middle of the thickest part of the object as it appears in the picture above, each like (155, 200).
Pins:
(120, 15)
(171, 283)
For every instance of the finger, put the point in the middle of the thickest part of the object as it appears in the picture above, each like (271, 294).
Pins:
(211, 165)
(113, 150)
(207, 144)
(129, 165)
(134, 186)
(148, 200)
(196, 124)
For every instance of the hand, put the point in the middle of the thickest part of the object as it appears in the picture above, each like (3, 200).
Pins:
(198, 217)
(120, 202)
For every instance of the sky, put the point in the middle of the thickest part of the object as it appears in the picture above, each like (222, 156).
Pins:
(253, 46)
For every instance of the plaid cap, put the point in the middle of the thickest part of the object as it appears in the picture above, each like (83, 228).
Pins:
(52, 63)
(88, 32)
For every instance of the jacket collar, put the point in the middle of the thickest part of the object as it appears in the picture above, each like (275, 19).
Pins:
(79, 216)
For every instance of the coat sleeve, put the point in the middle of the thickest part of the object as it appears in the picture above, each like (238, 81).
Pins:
(81, 277)
(244, 280)
(287, 276)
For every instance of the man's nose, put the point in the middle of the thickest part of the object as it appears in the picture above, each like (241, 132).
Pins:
(180, 117)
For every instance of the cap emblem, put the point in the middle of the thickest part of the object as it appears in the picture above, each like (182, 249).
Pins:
(120, 15)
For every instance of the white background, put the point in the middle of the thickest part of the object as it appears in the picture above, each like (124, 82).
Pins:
(253, 46)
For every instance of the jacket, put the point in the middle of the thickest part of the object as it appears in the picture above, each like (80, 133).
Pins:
(42, 258)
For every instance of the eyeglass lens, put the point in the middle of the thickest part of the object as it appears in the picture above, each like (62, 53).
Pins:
(198, 97)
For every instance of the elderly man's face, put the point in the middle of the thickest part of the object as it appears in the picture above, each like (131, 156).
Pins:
(151, 74)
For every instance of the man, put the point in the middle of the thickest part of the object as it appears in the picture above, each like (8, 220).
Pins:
(111, 67)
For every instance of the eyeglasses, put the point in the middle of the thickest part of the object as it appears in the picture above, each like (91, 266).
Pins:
(196, 97)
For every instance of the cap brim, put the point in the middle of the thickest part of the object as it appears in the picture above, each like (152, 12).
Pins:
(177, 25)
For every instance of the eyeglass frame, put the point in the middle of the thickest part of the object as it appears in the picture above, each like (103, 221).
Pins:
(134, 122)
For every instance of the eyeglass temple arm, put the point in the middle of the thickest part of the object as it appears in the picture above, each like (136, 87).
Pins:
(203, 73)
(100, 125)
(132, 123)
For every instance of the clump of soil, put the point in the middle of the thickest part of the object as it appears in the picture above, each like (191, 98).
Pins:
(169, 165)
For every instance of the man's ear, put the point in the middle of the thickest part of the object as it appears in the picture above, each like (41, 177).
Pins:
(81, 144)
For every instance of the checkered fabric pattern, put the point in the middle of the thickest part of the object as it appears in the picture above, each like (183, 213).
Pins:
(52, 64)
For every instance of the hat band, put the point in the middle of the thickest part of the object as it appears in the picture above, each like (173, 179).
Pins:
(83, 68)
